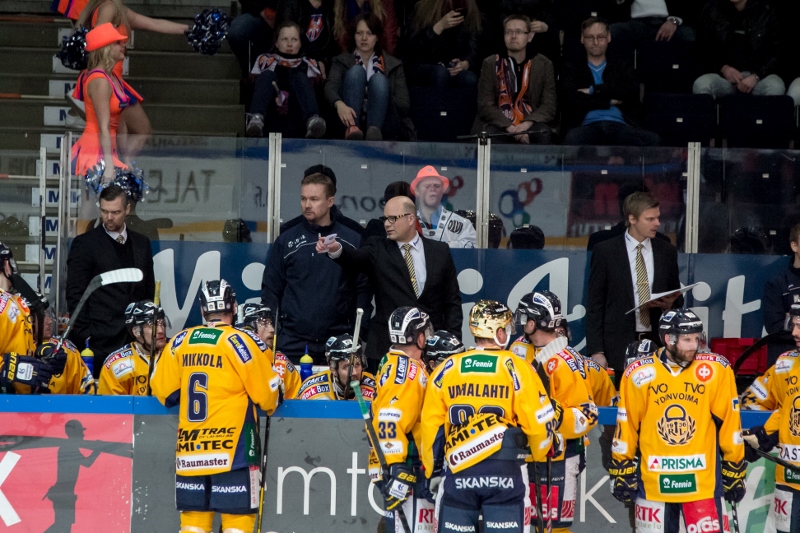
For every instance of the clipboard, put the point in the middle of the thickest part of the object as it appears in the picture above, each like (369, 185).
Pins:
(658, 295)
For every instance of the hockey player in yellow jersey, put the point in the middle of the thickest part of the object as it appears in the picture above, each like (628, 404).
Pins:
(396, 411)
(218, 375)
(333, 384)
(564, 375)
(126, 371)
(783, 429)
(485, 412)
(679, 410)
(16, 326)
(259, 319)
(439, 347)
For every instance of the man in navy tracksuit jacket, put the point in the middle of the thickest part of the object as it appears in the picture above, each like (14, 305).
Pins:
(313, 296)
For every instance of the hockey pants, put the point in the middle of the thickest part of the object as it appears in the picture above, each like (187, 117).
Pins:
(702, 516)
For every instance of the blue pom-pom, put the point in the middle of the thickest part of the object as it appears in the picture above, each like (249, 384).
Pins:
(130, 179)
(73, 54)
(209, 30)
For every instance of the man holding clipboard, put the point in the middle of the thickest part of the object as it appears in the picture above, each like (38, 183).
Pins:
(626, 271)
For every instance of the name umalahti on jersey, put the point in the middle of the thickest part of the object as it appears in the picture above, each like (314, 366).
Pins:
(478, 391)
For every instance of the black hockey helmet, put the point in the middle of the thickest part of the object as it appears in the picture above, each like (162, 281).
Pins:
(792, 317)
(543, 307)
(341, 347)
(217, 296)
(526, 237)
(249, 313)
(406, 322)
(679, 322)
(637, 349)
(7, 257)
(442, 345)
(141, 313)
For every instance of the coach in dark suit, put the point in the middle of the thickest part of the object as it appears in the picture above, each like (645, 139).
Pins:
(626, 270)
(109, 246)
(405, 270)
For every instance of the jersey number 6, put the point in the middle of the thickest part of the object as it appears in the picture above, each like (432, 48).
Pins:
(198, 400)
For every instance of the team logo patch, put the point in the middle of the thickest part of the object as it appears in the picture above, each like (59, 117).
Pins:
(479, 363)
(239, 347)
(4, 301)
(783, 366)
(122, 367)
(676, 427)
(514, 378)
(704, 372)
(552, 364)
(205, 336)
(440, 377)
(402, 369)
(794, 417)
(677, 483)
(678, 463)
(645, 375)
(178, 340)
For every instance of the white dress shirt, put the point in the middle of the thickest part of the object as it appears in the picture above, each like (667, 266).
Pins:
(115, 234)
(647, 255)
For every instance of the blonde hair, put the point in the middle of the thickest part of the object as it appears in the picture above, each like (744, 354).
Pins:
(429, 12)
(120, 17)
(340, 28)
(101, 58)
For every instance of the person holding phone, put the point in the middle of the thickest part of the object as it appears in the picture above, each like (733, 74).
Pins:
(443, 46)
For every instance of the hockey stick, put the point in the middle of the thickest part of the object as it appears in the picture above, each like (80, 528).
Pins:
(376, 445)
(735, 517)
(152, 365)
(263, 488)
(537, 494)
(548, 500)
(122, 275)
(777, 460)
(353, 349)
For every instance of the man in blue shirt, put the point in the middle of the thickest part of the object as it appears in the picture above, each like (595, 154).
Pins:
(603, 94)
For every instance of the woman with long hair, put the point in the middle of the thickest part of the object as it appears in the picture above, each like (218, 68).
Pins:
(443, 47)
(134, 120)
(346, 11)
(106, 96)
(368, 72)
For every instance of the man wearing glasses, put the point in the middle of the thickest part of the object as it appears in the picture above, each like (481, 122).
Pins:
(517, 93)
(404, 270)
(603, 95)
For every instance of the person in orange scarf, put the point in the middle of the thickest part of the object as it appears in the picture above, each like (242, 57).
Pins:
(517, 93)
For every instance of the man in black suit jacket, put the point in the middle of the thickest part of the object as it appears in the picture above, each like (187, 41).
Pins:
(613, 289)
(109, 246)
(433, 287)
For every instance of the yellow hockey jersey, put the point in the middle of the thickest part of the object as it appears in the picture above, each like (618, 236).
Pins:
(397, 405)
(125, 372)
(75, 379)
(320, 386)
(785, 420)
(679, 422)
(603, 391)
(473, 398)
(290, 376)
(218, 374)
(16, 327)
(758, 396)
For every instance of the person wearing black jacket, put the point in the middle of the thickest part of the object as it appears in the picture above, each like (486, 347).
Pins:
(250, 34)
(741, 43)
(315, 297)
(652, 20)
(603, 94)
(315, 17)
(780, 292)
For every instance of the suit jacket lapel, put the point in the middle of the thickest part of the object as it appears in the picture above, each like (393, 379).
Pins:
(626, 271)
(397, 259)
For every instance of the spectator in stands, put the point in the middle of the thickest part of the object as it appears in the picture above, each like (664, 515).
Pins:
(285, 77)
(603, 94)
(346, 11)
(134, 128)
(438, 223)
(740, 41)
(542, 25)
(366, 69)
(442, 48)
(316, 16)
(780, 292)
(250, 34)
(653, 20)
(517, 92)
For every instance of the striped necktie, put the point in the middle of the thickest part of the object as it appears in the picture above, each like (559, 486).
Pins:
(120, 239)
(410, 265)
(642, 286)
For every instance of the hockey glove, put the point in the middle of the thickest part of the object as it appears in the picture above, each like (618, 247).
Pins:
(431, 488)
(733, 480)
(756, 438)
(624, 480)
(397, 487)
(557, 448)
(52, 354)
(26, 370)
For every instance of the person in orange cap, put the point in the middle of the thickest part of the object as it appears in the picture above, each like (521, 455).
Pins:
(437, 222)
(106, 95)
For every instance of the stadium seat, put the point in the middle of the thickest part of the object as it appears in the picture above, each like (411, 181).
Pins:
(666, 67)
(681, 118)
(757, 121)
(442, 115)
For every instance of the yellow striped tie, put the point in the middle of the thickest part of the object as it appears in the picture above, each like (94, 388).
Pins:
(642, 286)
(410, 265)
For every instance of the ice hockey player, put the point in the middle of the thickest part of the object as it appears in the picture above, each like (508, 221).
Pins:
(564, 375)
(440, 346)
(782, 429)
(332, 384)
(485, 412)
(16, 326)
(126, 371)
(396, 416)
(218, 375)
(259, 319)
(678, 412)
